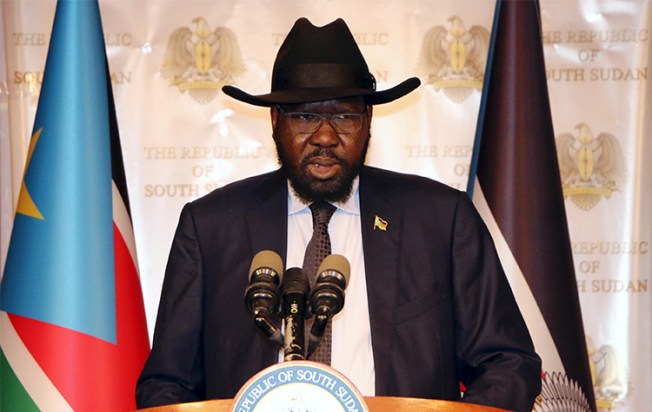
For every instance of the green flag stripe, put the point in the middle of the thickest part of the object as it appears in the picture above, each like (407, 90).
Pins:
(13, 396)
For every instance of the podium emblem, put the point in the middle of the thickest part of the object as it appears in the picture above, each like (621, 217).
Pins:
(299, 386)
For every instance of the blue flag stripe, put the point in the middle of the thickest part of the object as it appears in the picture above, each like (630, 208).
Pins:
(60, 270)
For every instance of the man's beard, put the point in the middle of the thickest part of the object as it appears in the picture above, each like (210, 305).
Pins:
(335, 189)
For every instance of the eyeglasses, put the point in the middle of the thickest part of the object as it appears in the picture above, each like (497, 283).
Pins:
(308, 123)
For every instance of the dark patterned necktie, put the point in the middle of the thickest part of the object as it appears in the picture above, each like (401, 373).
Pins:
(318, 248)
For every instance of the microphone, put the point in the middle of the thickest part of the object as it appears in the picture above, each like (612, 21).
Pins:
(262, 296)
(327, 296)
(295, 289)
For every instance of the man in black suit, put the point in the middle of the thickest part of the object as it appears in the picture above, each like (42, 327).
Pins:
(428, 308)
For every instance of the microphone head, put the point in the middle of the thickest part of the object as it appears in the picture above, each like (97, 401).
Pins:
(335, 263)
(269, 262)
(295, 280)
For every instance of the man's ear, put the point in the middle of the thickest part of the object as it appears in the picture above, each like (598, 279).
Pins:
(273, 112)
(370, 112)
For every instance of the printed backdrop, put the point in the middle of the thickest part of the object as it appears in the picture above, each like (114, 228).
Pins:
(182, 137)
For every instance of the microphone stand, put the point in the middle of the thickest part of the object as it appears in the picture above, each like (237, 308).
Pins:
(316, 332)
(261, 320)
(295, 288)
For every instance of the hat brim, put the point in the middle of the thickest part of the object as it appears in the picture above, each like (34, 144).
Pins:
(322, 94)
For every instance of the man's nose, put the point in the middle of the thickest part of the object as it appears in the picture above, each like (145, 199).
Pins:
(325, 136)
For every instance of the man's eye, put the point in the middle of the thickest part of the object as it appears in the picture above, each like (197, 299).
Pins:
(306, 117)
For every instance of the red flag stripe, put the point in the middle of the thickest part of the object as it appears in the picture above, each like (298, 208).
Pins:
(84, 368)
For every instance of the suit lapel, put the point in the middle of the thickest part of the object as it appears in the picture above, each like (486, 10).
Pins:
(267, 219)
(380, 218)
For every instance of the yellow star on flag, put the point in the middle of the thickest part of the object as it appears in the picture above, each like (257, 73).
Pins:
(26, 205)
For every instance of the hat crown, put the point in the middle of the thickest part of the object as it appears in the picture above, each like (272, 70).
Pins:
(307, 43)
(320, 57)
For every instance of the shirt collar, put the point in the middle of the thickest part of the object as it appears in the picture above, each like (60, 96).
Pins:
(352, 205)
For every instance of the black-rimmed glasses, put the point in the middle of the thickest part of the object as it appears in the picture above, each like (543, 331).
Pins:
(308, 123)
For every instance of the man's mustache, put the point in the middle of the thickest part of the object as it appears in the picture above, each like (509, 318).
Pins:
(323, 153)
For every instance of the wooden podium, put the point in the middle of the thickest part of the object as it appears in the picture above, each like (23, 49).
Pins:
(297, 381)
(375, 403)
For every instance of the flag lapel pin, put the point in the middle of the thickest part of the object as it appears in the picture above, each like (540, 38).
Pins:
(380, 223)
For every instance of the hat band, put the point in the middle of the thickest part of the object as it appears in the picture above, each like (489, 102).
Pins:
(322, 75)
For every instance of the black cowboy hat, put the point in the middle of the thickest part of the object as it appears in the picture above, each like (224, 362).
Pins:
(321, 63)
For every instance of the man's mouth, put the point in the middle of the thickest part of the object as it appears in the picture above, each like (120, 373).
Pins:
(323, 167)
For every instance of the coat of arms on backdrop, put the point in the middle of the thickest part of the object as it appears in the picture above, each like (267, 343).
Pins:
(200, 60)
(609, 376)
(591, 167)
(453, 59)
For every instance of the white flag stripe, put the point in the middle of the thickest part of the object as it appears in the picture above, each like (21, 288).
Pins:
(123, 222)
(39, 387)
(543, 342)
